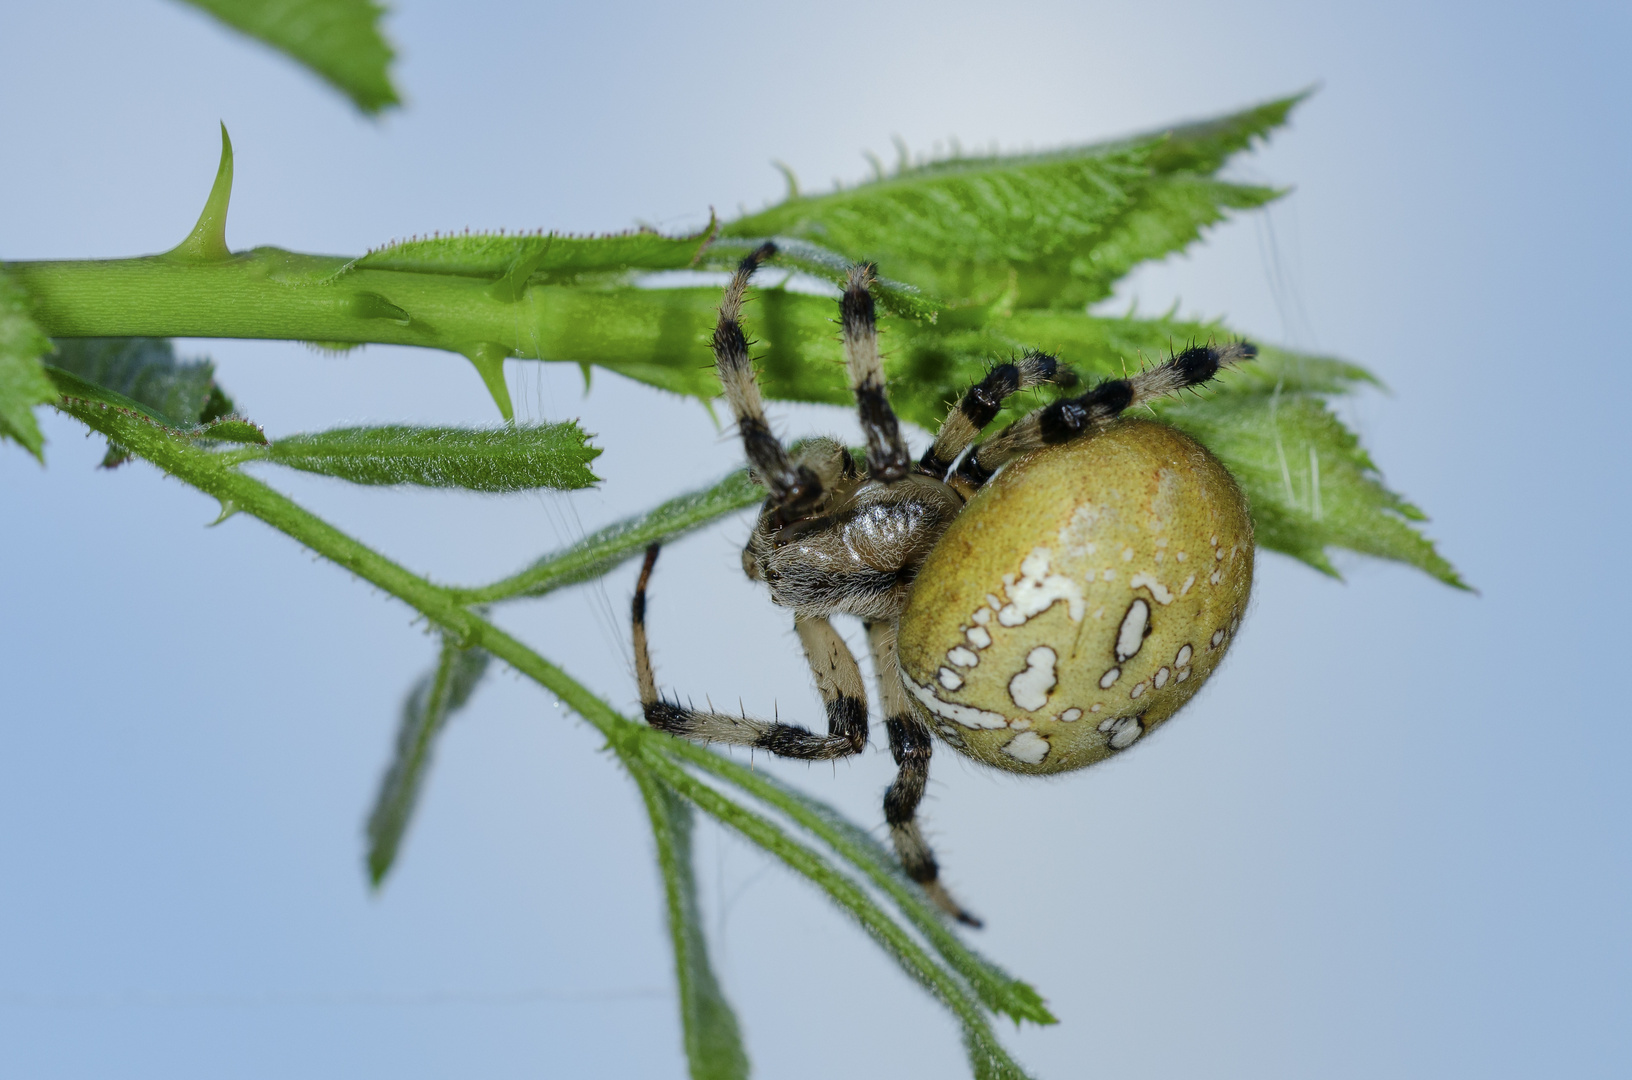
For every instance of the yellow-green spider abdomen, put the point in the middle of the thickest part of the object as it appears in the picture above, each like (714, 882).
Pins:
(1084, 595)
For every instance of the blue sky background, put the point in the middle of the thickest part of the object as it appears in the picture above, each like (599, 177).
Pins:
(1391, 838)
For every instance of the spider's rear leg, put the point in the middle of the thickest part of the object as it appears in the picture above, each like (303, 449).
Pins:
(887, 457)
(981, 404)
(910, 745)
(837, 678)
(1068, 418)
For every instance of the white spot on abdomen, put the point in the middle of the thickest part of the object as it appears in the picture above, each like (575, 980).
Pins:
(1124, 731)
(1135, 625)
(1161, 677)
(1148, 581)
(1184, 656)
(979, 636)
(949, 678)
(1028, 746)
(1070, 715)
(1107, 680)
(1038, 590)
(963, 657)
(966, 715)
(1030, 688)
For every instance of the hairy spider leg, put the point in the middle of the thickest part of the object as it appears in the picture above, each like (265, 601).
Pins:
(910, 745)
(1068, 418)
(792, 486)
(887, 457)
(838, 679)
(981, 404)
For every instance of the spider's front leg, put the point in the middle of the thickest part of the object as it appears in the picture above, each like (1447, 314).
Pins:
(837, 678)
(910, 745)
(793, 488)
(1070, 418)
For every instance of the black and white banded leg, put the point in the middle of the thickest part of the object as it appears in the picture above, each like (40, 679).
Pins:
(838, 679)
(887, 457)
(1068, 418)
(981, 404)
(791, 486)
(910, 745)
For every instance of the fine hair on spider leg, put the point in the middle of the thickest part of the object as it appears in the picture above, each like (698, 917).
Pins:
(1068, 418)
(790, 484)
(887, 457)
(838, 679)
(981, 405)
(911, 746)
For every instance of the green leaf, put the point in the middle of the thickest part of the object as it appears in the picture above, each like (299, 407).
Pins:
(503, 459)
(179, 394)
(438, 694)
(601, 551)
(713, 1039)
(23, 382)
(541, 256)
(957, 229)
(1310, 484)
(75, 390)
(1052, 229)
(339, 40)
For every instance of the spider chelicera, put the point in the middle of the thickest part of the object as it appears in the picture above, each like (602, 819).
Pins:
(1038, 600)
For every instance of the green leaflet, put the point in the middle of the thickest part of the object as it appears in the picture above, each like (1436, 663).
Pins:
(604, 549)
(339, 40)
(956, 232)
(504, 459)
(73, 389)
(713, 1039)
(438, 694)
(182, 396)
(1053, 229)
(23, 382)
(546, 256)
(1310, 484)
(146, 370)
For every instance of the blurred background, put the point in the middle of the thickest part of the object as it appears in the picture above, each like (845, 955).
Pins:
(1391, 838)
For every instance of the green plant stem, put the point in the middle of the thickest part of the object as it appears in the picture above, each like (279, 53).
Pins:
(632, 742)
(277, 294)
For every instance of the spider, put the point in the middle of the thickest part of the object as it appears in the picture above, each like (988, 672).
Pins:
(1038, 600)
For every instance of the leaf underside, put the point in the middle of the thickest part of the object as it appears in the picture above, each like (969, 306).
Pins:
(440, 693)
(339, 40)
(182, 395)
(713, 1038)
(520, 458)
(23, 382)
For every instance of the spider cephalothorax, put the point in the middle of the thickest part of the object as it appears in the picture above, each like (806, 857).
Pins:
(1039, 600)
